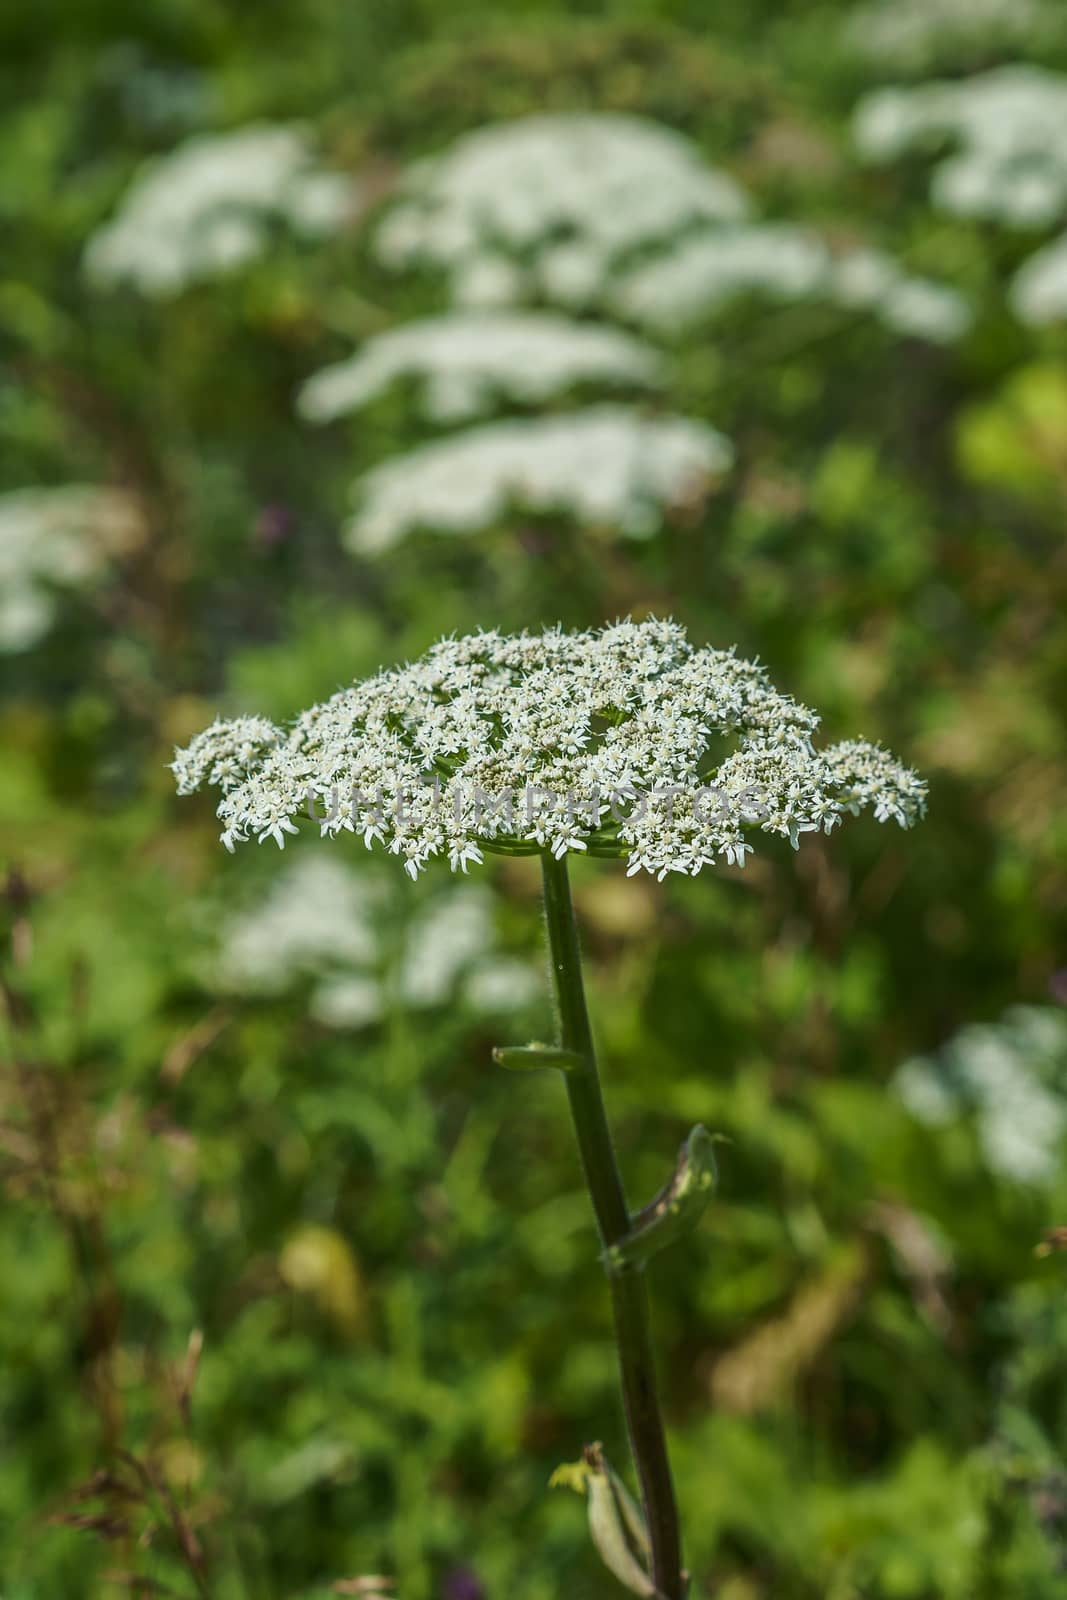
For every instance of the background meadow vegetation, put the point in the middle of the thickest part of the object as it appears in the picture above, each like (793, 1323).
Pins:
(295, 1286)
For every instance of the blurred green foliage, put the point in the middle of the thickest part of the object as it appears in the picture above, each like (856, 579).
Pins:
(381, 1242)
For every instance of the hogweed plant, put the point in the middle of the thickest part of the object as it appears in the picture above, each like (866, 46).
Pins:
(626, 742)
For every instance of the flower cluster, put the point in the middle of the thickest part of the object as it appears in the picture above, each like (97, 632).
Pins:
(317, 925)
(55, 538)
(207, 208)
(588, 212)
(608, 742)
(464, 361)
(913, 34)
(606, 466)
(1039, 290)
(1009, 1075)
(546, 205)
(1010, 127)
(591, 210)
(1010, 130)
(784, 262)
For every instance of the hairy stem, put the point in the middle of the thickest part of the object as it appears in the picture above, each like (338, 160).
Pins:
(628, 1291)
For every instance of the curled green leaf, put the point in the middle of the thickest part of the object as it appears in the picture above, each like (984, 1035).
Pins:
(677, 1207)
(616, 1526)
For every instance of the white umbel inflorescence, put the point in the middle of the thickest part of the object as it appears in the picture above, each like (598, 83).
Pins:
(1009, 1076)
(1009, 127)
(464, 361)
(207, 207)
(550, 201)
(602, 211)
(606, 466)
(52, 539)
(315, 920)
(611, 742)
(913, 34)
(784, 262)
(1039, 290)
(317, 925)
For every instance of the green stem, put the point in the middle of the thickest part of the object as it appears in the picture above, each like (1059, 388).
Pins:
(628, 1292)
